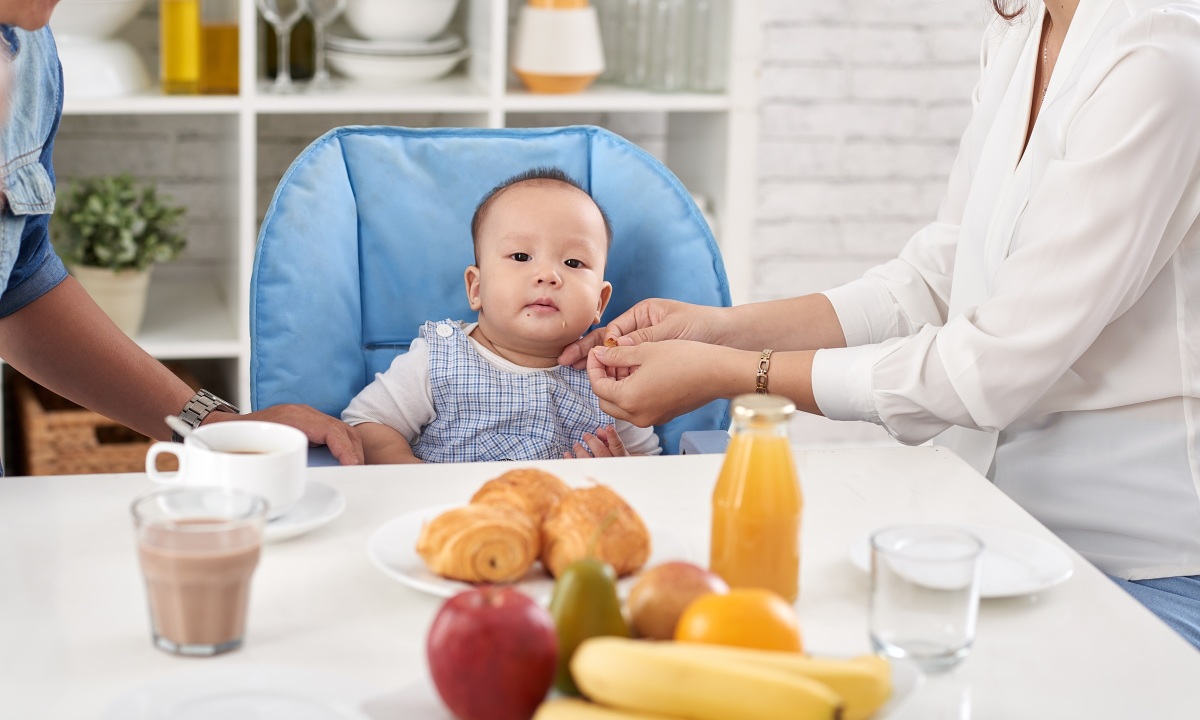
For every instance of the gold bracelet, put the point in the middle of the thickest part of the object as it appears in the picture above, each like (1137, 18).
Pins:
(760, 380)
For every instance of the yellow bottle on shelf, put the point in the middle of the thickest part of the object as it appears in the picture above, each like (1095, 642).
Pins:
(219, 47)
(179, 26)
(757, 503)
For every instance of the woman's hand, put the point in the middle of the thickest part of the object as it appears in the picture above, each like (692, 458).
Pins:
(320, 428)
(665, 379)
(649, 321)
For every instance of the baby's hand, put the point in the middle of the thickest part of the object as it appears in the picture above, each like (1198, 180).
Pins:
(605, 443)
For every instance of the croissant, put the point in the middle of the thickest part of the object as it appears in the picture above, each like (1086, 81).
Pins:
(536, 491)
(567, 532)
(480, 542)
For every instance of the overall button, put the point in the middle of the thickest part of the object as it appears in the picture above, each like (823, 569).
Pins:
(444, 330)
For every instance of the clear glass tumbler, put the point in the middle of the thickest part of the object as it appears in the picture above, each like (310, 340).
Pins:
(924, 593)
(198, 548)
(635, 41)
(708, 45)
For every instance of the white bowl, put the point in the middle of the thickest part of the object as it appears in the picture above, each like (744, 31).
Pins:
(93, 18)
(393, 69)
(95, 68)
(399, 19)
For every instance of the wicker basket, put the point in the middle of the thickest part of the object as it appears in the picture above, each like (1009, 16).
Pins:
(62, 438)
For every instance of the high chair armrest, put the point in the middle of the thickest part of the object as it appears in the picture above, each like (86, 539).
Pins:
(703, 441)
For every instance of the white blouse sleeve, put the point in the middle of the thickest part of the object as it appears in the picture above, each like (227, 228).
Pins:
(1107, 216)
(400, 398)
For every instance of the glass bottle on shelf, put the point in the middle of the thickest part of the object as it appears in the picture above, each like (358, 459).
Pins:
(667, 56)
(709, 47)
(610, 35)
(219, 47)
(179, 42)
(635, 41)
(757, 502)
(302, 50)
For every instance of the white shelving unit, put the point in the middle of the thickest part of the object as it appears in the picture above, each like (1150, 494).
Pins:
(201, 312)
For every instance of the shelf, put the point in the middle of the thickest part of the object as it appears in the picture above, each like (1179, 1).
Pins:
(455, 93)
(613, 98)
(153, 102)
(187, 318)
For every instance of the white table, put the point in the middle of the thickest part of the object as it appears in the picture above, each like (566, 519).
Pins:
(74, 632)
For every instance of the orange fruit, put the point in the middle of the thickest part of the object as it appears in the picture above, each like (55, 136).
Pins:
(743, 617)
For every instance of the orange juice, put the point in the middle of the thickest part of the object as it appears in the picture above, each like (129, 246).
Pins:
(219, 59)
(757, 502)
(179, 22)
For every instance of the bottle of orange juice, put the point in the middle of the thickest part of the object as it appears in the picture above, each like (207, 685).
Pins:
(757, 502)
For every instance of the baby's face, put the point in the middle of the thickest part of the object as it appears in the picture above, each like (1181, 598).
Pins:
(539, 283)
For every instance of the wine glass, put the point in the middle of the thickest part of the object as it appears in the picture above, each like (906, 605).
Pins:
(282, 15)
(322, 13)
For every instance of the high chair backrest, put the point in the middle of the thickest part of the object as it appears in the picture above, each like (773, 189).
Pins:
(368, 236)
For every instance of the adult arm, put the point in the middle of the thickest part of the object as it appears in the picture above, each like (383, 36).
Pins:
(64, 342)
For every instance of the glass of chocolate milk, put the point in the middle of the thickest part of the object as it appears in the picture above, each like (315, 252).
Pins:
(198, 548)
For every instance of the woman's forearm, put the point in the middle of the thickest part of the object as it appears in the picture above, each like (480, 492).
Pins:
(807, 322)
(65, 343)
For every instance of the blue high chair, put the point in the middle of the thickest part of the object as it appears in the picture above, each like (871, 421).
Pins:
(369, 233)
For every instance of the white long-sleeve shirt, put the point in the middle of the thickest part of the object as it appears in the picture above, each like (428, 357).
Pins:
(1054, 304)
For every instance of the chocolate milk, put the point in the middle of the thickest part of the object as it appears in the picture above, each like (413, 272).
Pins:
(199, 583)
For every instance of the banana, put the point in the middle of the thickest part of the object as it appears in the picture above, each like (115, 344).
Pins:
(573, 709)
(864, 682)
(635, 675)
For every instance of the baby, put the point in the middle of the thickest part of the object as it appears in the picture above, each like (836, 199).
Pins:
(493, 389)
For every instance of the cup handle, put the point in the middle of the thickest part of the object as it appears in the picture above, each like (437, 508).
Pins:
(152, 454)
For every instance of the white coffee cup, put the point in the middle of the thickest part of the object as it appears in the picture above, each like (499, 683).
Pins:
(261, 458)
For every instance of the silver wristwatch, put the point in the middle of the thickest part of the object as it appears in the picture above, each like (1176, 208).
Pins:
(198, 408)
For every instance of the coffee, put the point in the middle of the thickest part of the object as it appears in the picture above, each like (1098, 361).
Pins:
(245, 452)
(198, 584)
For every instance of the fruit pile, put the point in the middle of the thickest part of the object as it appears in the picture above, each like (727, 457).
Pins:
(691, 648)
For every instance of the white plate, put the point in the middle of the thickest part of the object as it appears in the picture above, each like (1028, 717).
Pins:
(320, 504)
(262, 692)
(390, 69)
(1013, 563)
(393, 549)
(906, 678)
(347, 43)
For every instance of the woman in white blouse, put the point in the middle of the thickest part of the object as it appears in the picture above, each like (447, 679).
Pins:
(1046, 325)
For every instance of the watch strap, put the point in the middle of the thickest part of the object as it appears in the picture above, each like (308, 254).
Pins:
(198, 408)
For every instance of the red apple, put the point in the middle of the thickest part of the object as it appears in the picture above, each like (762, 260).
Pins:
(492, 654)
(661, 594)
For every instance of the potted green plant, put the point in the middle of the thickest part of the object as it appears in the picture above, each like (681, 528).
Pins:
(110, 231)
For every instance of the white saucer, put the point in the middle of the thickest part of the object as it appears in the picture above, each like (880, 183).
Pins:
(1014, 563)
(321, 504)
(262, 692)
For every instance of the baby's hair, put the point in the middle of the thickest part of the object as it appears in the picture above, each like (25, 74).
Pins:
(539, 176)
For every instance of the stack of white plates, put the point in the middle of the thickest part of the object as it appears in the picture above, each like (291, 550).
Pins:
(392, 61)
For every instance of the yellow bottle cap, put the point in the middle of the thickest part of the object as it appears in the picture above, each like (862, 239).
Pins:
(763, 408)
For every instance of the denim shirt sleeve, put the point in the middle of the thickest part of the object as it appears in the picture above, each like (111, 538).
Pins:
(26, 146)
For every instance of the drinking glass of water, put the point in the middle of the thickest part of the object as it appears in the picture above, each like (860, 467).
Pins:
(322, 13)
(282, 16)
(924, 593)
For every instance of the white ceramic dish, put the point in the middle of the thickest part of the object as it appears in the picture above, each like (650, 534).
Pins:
(394, 69)
(319, 505)
(1014, 563)
(399, 19)
(93, 18)
(392, 548)
(341, 40)
(262, 692)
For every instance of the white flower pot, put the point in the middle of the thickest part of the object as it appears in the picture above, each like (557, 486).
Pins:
(121, 294)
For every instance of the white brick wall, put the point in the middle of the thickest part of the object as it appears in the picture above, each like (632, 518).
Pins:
(862, 102)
